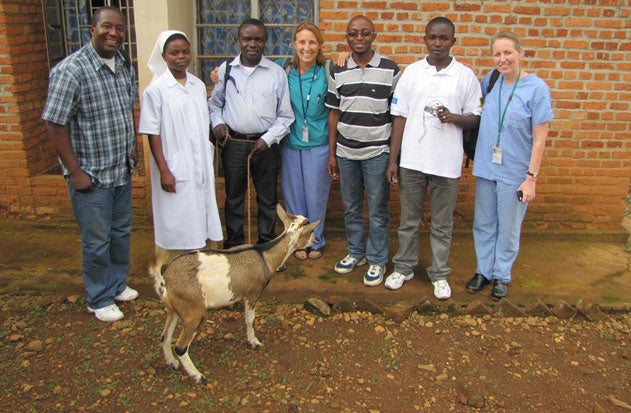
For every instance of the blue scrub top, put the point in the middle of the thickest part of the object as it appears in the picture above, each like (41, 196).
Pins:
(317, 113)
(531, 105)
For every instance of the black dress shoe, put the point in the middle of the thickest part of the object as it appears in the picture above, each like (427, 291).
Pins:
(477, 283)
(500, 290)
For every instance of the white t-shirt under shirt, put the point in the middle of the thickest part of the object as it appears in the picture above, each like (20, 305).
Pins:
(428, 145)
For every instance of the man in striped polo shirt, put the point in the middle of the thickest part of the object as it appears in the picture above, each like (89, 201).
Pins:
(359, 142)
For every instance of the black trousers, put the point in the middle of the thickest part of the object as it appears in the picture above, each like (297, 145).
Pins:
(264, 171)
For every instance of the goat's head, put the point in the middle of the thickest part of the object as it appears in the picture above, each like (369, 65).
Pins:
(298, 229)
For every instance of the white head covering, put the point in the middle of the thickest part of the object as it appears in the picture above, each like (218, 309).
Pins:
(156, 63)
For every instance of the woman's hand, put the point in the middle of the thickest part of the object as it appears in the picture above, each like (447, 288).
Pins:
(214, 75)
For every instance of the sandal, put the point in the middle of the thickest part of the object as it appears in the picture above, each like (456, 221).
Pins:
(315, 254)
(301, 254)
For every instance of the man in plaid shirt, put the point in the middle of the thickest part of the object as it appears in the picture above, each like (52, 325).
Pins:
(90, 121)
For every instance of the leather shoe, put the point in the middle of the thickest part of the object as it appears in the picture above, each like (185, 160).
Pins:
(500, 290)
(477, 283)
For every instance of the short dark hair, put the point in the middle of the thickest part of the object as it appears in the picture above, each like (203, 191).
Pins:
(253, 22)
(441, 20)
(174, 36)
(97, 13)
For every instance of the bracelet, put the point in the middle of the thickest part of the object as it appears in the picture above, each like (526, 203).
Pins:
(534, 175)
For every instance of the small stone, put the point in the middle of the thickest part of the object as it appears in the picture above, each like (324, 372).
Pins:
(563, 310)
(505, 308)
(538, 309)
(399, 311)
(589, 310)
(35, 345)
(317, 306)
(105, 392)
(478, 308)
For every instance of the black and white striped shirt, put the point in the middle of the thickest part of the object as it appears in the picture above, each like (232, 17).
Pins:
(362, 95)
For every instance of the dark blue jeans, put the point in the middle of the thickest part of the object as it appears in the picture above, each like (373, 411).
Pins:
(264, 170)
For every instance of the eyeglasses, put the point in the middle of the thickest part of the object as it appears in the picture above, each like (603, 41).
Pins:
(365, 33)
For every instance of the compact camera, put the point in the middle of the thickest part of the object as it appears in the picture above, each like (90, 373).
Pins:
(432, 108)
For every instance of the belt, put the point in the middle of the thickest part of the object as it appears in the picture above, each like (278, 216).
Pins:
(244, 136)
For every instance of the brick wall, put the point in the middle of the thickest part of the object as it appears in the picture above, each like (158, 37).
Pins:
(25, 152)
(581, 48)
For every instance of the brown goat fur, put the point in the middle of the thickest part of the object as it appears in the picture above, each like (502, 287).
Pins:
(194, 282)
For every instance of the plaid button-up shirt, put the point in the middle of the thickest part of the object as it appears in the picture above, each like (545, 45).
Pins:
(96, 105)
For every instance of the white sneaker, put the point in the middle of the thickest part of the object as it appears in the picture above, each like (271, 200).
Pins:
(107, 314)
(396, 280)
(442, 291)
(374, 275)
(348, 264)
(128, 294)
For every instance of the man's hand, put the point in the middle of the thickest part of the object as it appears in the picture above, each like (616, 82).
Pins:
(260, 146)
(331, 168)
(221, 133)
(81, 181)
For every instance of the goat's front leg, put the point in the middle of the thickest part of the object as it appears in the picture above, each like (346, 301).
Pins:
(250, 313)
(167, 337)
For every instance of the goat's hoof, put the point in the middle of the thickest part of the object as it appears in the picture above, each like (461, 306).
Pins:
(256, 346)
(201, 380)
(174, 364)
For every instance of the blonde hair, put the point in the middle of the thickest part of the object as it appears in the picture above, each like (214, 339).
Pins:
(318, 34)
(506, 35)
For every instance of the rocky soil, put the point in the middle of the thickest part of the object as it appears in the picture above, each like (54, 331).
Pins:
(56, 357)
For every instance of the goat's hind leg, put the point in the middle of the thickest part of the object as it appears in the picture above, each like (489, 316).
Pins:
(250, 313)
(167, 338)
(190, 324)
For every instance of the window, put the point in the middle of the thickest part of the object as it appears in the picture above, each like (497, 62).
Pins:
(68, 26)
(219, 20)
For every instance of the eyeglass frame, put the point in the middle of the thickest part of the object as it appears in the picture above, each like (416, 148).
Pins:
(363, 34)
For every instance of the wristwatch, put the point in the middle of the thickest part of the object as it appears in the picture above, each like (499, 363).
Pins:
(534, 175)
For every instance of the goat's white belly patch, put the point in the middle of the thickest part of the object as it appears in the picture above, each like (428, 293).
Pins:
(214, 280)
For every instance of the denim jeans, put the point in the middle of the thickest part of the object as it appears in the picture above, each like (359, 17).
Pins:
(264, 170)
(355, 177)
(412, 193)
(496, 228)
(104, 219)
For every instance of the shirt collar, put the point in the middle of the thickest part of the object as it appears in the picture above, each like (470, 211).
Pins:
(171, 80)
(374, 61)
(265, 62)
(450, 70)
(96, 61)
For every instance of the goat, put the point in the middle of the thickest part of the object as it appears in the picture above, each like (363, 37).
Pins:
(199, 280)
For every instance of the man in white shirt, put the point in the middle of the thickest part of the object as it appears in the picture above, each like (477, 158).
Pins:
(435, 99)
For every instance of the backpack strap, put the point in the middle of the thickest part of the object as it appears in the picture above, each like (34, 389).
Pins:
(495, 74)
(287, 65)
(226, 79)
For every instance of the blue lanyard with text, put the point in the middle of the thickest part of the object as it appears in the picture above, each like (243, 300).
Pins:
(500, 125)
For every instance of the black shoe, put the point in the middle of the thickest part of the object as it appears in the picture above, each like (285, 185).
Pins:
(500, 290)
(477, 283)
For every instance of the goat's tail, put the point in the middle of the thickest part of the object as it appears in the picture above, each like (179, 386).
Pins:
(156, 272)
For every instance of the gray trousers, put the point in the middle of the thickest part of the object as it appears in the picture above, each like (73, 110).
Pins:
(412, 192)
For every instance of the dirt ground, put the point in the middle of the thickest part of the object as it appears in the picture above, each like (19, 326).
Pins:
(56, 357)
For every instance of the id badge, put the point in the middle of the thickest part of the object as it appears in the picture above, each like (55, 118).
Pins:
(305, 133)
(497, 155)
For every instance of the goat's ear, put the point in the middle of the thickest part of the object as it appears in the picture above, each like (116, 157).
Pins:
(284, 216)
(312, 226)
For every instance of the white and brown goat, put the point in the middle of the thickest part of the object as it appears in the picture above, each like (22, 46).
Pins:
(194, 282)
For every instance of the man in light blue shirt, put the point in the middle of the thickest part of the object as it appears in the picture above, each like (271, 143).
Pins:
(250, 113)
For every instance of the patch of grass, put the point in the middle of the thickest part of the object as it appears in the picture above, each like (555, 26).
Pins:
(611, 298)
(329, 276)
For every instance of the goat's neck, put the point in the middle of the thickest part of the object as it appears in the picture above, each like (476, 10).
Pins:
(279, 253)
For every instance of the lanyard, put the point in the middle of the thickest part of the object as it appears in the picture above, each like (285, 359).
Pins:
(500, 125)
(302, 98)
